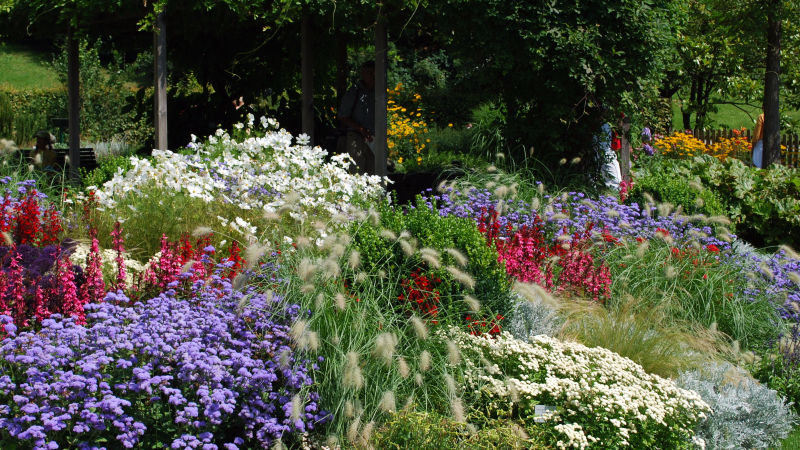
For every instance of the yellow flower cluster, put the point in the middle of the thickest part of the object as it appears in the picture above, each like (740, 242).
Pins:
(679, 144)
(684, 145)
(733, 147)
(407, 127)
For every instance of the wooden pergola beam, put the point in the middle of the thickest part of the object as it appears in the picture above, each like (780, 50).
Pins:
(73, 106)
(381, 113)
(307, 71)
(160, 81)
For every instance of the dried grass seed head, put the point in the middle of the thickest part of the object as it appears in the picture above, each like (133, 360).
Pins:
(306, 269)
(472, 303)
(297, 407)
(385, 344)
(406, 246)
(431, 257)
(789, 251)
(253, 253)
(388, 234)
(201, 232)
(462, 277)
(419, 327)
(402, 367)
(425, 361)
(457, 408)
(339, 301)
(453, 353)
(354, 260)
(387, 403)
(352, 377)
(457, 256)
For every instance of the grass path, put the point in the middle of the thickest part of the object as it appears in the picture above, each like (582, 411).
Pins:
(22, 68)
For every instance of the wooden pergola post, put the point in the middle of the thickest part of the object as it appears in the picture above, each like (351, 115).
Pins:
(380, 98)
(625, 150)
(73, 107)
(307, 83)
(160, 81)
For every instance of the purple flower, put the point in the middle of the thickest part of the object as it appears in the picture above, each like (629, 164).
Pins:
(212, 367)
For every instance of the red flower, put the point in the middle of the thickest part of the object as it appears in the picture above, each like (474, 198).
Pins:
(712, 248)
(616, 143)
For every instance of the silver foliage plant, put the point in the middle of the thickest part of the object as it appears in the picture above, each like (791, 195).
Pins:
(746, 414)
(531, 318)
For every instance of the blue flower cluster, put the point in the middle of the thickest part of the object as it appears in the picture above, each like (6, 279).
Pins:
(213, 372)
(575, 211)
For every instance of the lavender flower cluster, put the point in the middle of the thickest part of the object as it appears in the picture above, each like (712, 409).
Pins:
(575, 210)
(214, 372)
(772, 280)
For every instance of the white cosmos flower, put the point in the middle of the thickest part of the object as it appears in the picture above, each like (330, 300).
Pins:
(255, 173)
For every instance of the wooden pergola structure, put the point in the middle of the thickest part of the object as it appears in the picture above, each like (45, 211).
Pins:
(160, 95)
(307, 84)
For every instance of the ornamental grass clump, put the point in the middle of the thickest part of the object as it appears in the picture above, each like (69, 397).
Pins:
(596, 398)
(375, 317)
(163, 372)
(644, 333)
(703, 286)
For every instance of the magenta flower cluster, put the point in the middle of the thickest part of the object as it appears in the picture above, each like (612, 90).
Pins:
(213, 372)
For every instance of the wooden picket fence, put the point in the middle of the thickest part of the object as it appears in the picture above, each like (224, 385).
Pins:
(789, 157)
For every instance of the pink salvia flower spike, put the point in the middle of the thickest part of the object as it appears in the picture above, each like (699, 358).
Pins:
(119, 247)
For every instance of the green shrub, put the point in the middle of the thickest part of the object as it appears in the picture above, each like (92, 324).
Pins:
(667, 181)
(427, 229)
(25, 127)
(106, 170)
(488, 121)
(6, 116)
(449, 139)
(104, 97)
(763, 205)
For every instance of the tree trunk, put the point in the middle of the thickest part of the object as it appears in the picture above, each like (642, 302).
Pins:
(74, 107)
(701, 104)
(772, 130)
(307, 71)
(160, 82)
(686, 112)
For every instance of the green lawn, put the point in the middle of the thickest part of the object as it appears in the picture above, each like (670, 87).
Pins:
(22, 68)
(727, 116)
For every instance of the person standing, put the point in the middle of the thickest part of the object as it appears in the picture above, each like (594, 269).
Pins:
(43, 154)
(356, 115)
(758, 141)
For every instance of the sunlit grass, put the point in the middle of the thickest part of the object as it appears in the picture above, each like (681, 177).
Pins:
(23, 68)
